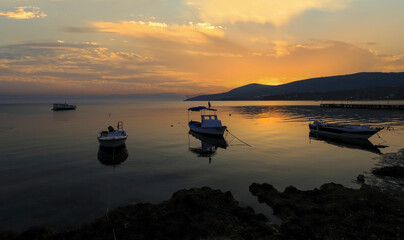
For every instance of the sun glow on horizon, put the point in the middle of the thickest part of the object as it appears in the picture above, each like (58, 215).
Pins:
(196, 48)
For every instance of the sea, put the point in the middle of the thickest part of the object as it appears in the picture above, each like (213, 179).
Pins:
(53, 171)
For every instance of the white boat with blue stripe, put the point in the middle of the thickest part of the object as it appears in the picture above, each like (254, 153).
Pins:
(209, 123)
(340, 130)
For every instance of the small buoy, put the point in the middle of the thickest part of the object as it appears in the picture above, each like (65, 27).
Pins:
(361, 178)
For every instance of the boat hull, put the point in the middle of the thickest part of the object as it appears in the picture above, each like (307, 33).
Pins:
(333, 132)
(64, 109)
(216, 131)
(63, 106)
(112, 142)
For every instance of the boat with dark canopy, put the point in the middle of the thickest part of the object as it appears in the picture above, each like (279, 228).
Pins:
(209, 123)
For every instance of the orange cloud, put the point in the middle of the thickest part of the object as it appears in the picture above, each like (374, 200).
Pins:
(63, 68)
(77, 69)
(26, 12)
(277, 12)
(187, 33)
(283, 62)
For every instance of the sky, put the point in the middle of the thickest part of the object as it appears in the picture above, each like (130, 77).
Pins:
(101, 47)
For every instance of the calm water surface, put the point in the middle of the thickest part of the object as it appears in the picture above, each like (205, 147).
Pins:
(52, 171)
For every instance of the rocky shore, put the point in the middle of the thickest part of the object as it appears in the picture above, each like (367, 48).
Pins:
(199, 213)
(335, 212)
(375, 211)
(391, 171)
(331, 212)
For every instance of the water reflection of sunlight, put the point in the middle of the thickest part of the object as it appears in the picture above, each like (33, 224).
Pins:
(51, 151)
(306, 113)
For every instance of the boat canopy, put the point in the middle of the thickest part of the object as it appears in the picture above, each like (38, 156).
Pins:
(200, 108)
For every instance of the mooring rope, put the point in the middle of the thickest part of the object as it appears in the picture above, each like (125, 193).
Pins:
(227, 133)
(112, 225)
(238, 138)
(383, 140)
(182, 126)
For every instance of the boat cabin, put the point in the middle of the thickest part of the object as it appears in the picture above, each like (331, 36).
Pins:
(210, 121)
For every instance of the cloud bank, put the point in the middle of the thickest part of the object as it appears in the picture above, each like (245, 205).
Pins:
(26, 12)
(186, 33)
(61, 68)
(84, 69)
(277, 12)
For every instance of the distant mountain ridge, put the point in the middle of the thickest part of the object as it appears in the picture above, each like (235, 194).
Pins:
(321, 85)
(75, 99)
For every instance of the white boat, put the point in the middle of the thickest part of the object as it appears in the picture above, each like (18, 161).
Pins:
(340, 130)
(63, 106)
(112, 137)
(209, 123)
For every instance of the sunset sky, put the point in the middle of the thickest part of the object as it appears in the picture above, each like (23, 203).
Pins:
(93, 47)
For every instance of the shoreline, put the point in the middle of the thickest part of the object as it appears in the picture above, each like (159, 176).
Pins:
(332, 211)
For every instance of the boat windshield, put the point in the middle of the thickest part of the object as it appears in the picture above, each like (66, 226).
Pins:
(209, 117)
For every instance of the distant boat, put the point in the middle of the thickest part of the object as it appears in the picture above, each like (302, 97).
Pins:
(63, 106)
(340, 130)
(112, 137)
(209, 123)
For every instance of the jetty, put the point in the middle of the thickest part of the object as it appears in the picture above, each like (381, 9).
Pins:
(366, 106)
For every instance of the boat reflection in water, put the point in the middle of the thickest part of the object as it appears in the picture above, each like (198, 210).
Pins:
(354, 143)
(209, 145)
(112, 156)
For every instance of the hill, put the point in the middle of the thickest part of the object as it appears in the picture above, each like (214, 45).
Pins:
(341, 87)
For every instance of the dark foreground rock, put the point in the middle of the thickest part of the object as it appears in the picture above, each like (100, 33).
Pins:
(391, 171)
(389, 174)
(331, 212)
(334, 212)
(189, 214)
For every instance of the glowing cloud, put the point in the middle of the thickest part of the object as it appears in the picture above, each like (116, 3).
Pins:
(64, 68)
(189, 33)
(56, 68)
(276, 12)
(26, 12)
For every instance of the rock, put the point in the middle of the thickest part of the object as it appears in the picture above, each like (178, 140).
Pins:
(334, 212)
(198, 213)
(331, 212)
(8, 235)
(35, 233)
(360, 178)
(391, 171)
